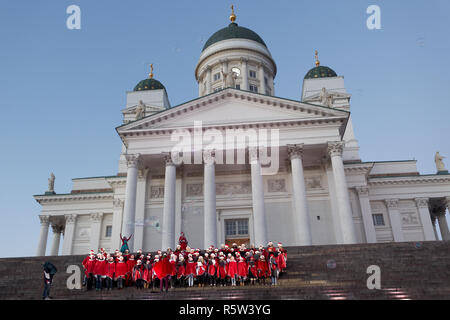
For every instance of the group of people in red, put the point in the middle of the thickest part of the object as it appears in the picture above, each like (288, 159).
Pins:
(228, 265)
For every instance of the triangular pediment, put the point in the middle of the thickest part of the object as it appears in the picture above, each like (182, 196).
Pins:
(233, 107)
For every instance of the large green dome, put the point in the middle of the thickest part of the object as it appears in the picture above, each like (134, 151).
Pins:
(320, 72)
(149, 84)
(233, 31)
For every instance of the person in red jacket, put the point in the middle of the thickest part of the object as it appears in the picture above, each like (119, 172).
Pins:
(262, 269)
(190, 270)
(222, 269)
(282, 253)
(110, 271)
(212, 269)
(200, 271)
(88, 265)
(173, 268)
(137, 274)
(121, 272)
(147, 275)
(252, 270)
(131, 262)
(163, 269)
(181, 270)
(242, 271)
(182, 241)
(99, 271)
(232, 270)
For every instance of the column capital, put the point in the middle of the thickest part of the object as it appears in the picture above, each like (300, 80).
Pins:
(142, 173)
(335, 148)
(57, 228)
(295, 151)
(70, 218)
(44, 220)
(244, 59)
(421, 202)
(118, 203)
(447, 202)
(96, 216)
(391, 203)
(132, 160)
(209, 156)
(168, 159)
(363, 191)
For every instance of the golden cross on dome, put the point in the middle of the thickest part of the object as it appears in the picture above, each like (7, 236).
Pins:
(151, 71)
(233, 16)
(316, 57)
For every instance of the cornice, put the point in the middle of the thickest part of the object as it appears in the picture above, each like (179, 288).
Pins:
(74, 197)
(409, 180)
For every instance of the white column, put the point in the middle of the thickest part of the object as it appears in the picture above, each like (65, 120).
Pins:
(129, 211)
(69, 231)
(209, 194)
(366, 212)
(57, 230)
(442, 220)
(425, 217)
(42, 244)
(208, 80)
(342, 197)
(117, 223)
(433, 222)
(261, 78)
(96, 225)
(168, 226)
(302, 224)
(443, 225)
(140, 209)
(244, 75)
(394, 217)
(259, 213)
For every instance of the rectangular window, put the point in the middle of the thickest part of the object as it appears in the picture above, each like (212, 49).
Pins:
(217, 89)
(253, 88)
(230, 228)
(238, 86)
(108, 231)
(216, 76)
(378, 220)
(252, 74)
(236, 227)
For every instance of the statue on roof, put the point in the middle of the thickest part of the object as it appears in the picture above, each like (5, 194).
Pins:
(51, 183)
(140, 110)
(229, 78)
(326, 98)
(440, 166)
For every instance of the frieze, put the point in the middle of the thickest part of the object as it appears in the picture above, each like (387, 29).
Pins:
(156, 192)
(277, 185)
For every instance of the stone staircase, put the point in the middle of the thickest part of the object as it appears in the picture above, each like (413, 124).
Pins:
(409, 270)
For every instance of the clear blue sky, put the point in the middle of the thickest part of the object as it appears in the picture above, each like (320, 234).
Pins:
(61, 91)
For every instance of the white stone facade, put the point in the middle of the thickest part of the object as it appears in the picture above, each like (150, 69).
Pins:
(321, 193)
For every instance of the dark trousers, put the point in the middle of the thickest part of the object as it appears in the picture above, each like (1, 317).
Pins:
(164, 282)
(120, 283)
(98, 282)
(108, 283)
(47, 287)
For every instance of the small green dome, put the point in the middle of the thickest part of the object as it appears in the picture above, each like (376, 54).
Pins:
(320, 72)
(148, 84)
(233, 31)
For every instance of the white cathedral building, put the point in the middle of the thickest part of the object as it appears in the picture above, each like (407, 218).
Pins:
(320, 193)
